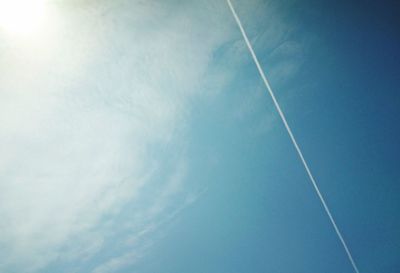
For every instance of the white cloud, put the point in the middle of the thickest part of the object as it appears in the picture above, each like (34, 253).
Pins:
(80, 111)
(88, 115)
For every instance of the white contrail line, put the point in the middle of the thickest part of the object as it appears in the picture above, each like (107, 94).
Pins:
(267, 85)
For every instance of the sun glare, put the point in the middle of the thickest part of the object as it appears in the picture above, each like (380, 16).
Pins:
(21, 17)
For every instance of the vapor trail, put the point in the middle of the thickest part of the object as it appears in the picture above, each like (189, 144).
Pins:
(267, 85)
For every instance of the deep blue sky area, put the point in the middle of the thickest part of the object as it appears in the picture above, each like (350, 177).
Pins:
(137, 136)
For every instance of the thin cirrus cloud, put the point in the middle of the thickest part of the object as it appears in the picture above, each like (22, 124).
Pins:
(89, 116)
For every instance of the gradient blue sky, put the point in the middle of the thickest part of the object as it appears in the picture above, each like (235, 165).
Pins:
(137, 136)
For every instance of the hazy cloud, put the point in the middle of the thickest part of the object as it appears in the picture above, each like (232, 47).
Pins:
(92, 115)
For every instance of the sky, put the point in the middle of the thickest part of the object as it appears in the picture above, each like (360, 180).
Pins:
(137, 136)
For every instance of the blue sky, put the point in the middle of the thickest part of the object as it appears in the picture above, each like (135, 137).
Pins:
(137, 136)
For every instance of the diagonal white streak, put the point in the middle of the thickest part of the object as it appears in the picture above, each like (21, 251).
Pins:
(267, 85)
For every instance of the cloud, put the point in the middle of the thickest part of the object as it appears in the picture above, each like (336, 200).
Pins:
(92, 127)
(85, 113)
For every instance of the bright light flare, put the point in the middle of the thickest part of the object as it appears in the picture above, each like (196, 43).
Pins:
(22, 17)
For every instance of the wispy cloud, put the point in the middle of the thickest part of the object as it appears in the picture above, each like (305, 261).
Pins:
(87, 116)
(92, 122)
